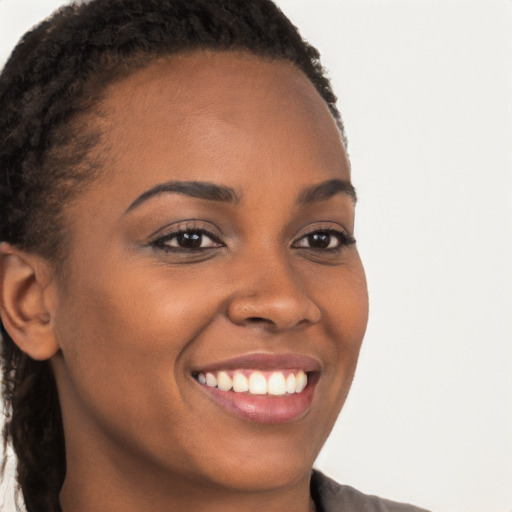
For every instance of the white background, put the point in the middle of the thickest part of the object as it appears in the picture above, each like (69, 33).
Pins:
(425, 89)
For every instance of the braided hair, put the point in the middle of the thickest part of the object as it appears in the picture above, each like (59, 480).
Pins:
(54, 76)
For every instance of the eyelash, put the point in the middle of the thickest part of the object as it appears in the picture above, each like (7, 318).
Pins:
(162, 242)
(344, 239)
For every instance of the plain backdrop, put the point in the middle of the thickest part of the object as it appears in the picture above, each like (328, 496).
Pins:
(425, 90)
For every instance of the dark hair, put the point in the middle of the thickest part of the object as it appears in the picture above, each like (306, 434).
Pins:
(47, 88)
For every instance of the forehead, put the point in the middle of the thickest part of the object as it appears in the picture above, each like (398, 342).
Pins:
(230, 85)
(219, 116)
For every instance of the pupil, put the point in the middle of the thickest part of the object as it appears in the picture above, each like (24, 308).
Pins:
(319, 240)
(189, 240)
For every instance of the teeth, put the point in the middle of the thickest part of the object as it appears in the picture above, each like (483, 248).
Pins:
(240, 383)
(211, 380)
(291, 383)
(302, 380)
(277, 384)
(256, 382)
(224, 381)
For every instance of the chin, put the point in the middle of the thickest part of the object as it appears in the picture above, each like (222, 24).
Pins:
(258, 475)
(268, 463)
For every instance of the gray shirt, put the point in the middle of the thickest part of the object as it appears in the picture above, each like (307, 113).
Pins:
(330, 496)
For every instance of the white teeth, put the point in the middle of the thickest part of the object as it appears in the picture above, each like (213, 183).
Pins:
(277, 384)
(302, 380)
(211, 380)
(224, 381)
(257, 384)
(291, 383)
(240, 383)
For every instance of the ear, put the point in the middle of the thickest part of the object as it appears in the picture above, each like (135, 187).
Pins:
(26, 301)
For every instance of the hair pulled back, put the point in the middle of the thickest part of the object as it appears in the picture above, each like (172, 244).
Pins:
(52, 79)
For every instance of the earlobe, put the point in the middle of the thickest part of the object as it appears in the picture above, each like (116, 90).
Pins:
(25, 307)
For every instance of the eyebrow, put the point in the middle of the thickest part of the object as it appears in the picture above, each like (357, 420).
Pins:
(326, 190)
(221, 193)
(196, 189)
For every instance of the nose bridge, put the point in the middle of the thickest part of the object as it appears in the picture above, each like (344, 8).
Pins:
(268, 290)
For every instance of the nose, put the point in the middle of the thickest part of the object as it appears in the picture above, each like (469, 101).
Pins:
(272, 295)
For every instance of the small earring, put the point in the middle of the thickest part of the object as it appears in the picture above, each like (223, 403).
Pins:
(45, 318)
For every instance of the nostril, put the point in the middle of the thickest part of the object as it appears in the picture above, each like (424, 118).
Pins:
(258, 320)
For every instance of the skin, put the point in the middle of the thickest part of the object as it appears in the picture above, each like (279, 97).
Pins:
(130, 320)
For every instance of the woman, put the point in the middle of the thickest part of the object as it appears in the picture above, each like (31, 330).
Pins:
(182, 299)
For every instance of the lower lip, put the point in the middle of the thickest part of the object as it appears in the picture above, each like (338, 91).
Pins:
(265, 408)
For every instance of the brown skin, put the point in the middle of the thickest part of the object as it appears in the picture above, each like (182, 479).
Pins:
(130, 321)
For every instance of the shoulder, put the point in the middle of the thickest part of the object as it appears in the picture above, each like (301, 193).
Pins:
(330, 496)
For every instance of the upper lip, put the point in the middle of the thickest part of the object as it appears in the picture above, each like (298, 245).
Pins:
(265, 361)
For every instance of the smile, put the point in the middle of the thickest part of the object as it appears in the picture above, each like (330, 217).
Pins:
(262, 388)
(256, 382)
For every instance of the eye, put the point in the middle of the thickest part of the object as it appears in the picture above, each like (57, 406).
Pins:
(188, 240)
(324, 240)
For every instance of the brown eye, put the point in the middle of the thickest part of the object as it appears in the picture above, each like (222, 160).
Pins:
(329, 240)
(322, 240)
(191, 240)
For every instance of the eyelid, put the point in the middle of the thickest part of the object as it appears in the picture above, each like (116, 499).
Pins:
(333, 227)
(187, 225)
(344, 237)
(167, 239)
(162, 238)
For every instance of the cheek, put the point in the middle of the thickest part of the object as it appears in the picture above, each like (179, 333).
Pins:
(122, 337)
(353, 301)
(343, 296)
(140, 310)
(345, 308)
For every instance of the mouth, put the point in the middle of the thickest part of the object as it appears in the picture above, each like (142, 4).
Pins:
(262, 388)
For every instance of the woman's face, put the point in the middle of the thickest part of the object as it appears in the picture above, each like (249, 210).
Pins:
(216, 244)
